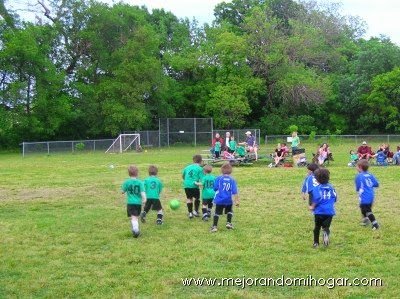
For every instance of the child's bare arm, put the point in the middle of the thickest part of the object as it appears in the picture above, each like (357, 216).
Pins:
(144, 199)
(236, 199)
(312, 207)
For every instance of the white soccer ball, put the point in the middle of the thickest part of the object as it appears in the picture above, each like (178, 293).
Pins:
(111, 166)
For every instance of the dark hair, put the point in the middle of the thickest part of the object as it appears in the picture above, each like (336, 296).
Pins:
(226, 168)
(197, 159)
(363, 164)
(153, 170)
(322, 175)
(207, 168)
(133, 171)
(312, 166)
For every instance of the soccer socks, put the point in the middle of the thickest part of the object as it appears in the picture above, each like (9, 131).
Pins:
(371, 217)
(216, 218)
(316, 234)
(210, 205)
(160, 216)
(196, 205)
(190, 207)
(229, 217)
(135, 226)
(204, 210)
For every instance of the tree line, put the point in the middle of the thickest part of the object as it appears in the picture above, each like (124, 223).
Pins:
(86, 69)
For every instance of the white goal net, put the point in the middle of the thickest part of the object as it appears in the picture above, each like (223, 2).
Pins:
(125, 142)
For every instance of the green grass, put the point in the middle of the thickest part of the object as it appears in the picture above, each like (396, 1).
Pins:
(64, 231)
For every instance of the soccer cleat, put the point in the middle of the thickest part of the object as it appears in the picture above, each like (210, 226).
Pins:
(315, 245)
(325, 238)
(159, 222)
(375, 226)
(136, 234)
(190, 215)
(229, 225)
(205, 217)
(365, 222)
(213, 229)
(196, 214)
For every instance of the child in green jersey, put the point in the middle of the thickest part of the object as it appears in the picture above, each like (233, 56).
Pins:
(208, 192)
(217, 149)
(135, 195)
(153, 187)
(191, 175)
(232, 145)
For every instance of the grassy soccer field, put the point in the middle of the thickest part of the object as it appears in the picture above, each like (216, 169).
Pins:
(64, 231)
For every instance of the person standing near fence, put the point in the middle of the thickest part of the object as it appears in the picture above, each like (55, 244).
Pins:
(295, 142)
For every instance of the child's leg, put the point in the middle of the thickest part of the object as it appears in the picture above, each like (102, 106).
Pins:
(210, 205)
(229, 215)
(364, 209)
(135, 226)
(218, 211)
(196, 195)
(204, 208)
(371, 216)
(189, 201)
(160, 216)
(146, 209)
(326, 223)
(317, 228)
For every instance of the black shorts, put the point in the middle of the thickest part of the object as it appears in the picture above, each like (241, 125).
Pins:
(154, 204)
(207, 200)
(219, 209)
(192, 193)
(133, 210)
(323, 221)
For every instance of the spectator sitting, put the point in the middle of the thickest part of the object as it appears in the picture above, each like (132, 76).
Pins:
(353, 159)
(215, 139)
(250, 144)
(285, 148)
(227, 155)
(396, 157)
(381, 158)
(323, 153)
(280, 154)
(364, 151)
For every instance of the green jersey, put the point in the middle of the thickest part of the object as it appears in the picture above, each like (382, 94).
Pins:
(232, 145)
(153, 187)
(295, 141)
(208, 186)
(133, 188)
(191, 174)
(241, 151)
(217, 146)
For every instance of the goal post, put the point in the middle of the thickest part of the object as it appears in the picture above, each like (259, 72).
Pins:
(125, 142)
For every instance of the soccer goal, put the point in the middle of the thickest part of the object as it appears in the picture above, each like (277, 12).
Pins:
(125, 142)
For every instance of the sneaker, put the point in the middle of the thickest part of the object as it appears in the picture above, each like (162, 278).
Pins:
(315, 245)
(205, 217)
(159, 222)
(229, 225)
(325, 237)
(196, 214)
(190, 215)
(375, 226)
(136, 234)
(270, 165)
(365, 222)
(142, 217)
(213, 229)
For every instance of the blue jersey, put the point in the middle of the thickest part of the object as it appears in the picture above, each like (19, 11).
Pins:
(309, 183)
(324, 198)
(365, 184)
(380, 157)
(224, 187)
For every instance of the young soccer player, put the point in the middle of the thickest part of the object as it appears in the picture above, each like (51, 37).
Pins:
(135, 195)
(226, 188)
(323, 201)
(309, 183)
(365, 184)
(191, 175)
(208, 192)
(153, 187)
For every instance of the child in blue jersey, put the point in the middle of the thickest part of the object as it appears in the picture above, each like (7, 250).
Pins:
(225, 188)
(309, 183)
(323, 205)
(381, 158)
(365, 184)
(135, 196)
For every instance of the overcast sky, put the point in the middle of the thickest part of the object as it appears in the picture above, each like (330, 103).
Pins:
(382, 16)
